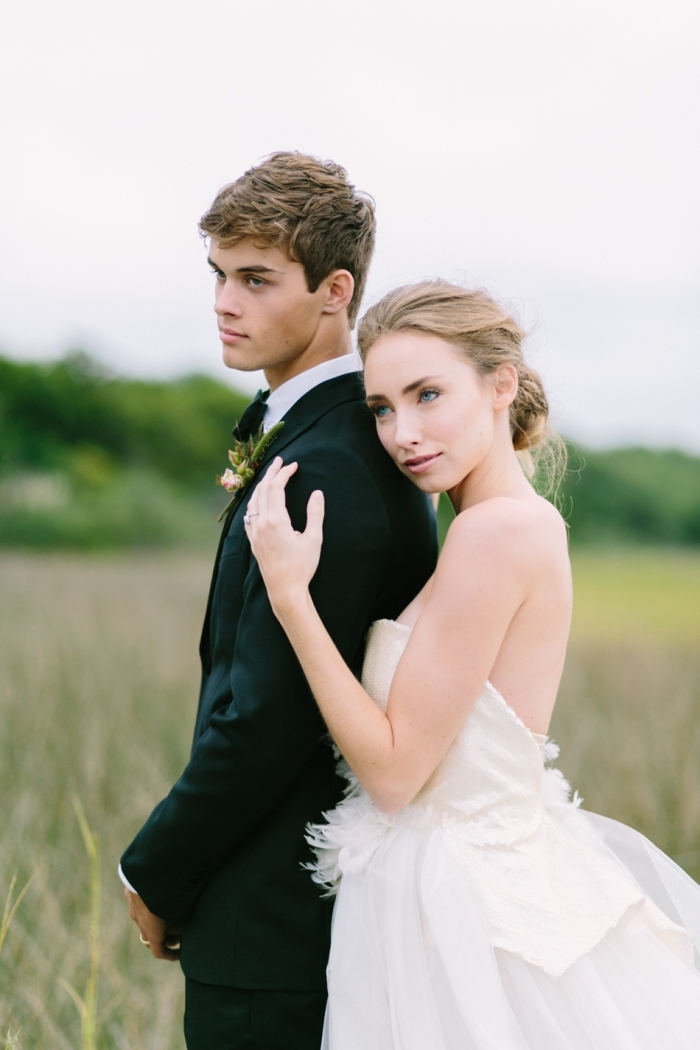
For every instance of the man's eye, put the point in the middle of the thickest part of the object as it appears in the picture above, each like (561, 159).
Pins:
(219, 275)
(428, 395)
(255, 282)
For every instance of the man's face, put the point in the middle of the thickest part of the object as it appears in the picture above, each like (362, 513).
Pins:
(266, 314)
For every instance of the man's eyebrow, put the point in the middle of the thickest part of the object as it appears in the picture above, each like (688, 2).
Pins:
(256, 269)
(243, 269)
(406, 390)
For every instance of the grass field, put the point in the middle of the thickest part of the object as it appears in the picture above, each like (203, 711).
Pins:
(98, 684)
(637, 595)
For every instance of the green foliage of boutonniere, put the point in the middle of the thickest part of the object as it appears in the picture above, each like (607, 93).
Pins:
(245, 459)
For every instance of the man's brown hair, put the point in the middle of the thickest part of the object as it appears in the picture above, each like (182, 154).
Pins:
(306, 207)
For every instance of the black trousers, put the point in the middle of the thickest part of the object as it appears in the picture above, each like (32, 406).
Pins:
(218, 1018)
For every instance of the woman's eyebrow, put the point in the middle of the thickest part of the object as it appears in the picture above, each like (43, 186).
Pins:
(419, 382)
(406, 390)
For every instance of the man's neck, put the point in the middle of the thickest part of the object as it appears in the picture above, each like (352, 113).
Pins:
(315, 354)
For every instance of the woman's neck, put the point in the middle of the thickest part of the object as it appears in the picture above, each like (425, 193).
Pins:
(499, 474)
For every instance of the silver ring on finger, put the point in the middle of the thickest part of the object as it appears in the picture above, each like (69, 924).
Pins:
(144, 941)
(247, 517)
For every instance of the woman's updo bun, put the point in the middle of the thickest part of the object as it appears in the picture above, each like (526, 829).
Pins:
(489, 337)
(529, 412)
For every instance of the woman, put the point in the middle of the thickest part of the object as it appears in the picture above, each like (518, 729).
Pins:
(478, 907)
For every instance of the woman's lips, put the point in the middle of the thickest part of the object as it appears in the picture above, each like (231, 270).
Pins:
(419, 464)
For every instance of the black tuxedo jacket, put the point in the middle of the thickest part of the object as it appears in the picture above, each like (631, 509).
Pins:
(222, 855)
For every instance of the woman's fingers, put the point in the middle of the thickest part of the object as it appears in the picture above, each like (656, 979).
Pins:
(258, 504)
(267, 505)
(315, 511)
(271, 498)
(286, 559)
(277, 500)
(274, 468)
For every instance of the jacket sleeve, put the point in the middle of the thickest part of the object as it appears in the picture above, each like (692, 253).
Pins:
(254, 748)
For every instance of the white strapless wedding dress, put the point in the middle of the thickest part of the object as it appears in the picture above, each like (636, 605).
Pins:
(494, 914)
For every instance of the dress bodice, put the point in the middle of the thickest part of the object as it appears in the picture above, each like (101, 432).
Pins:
(493, 771)
(548, 895)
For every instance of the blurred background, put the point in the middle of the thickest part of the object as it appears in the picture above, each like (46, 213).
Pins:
(548, 152)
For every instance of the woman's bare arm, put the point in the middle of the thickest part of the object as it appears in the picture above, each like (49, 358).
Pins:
(480, 582)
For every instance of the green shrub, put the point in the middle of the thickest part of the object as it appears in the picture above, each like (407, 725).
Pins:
(50, 412)
(138, 460)
(632, 495)
(138, 508)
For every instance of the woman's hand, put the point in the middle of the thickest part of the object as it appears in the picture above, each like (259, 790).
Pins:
(287, 559)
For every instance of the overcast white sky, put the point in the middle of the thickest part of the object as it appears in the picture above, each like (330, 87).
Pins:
(549, 151)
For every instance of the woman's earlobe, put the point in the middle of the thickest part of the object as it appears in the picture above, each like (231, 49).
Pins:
(506, 386)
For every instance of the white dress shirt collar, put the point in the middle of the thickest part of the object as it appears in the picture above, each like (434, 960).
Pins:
(281, 400)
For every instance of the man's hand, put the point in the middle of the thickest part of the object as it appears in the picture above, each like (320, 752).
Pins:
(163, 939)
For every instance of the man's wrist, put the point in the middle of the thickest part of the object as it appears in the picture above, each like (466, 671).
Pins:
(126, 882)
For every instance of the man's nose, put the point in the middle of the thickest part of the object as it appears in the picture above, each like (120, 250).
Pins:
(226, 302)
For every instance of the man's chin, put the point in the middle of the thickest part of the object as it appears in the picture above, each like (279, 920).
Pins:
(240, 361)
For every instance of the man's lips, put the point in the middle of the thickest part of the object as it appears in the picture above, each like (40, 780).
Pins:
(419, 464)
(230, 335)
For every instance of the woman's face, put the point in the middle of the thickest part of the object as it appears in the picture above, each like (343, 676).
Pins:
(436, 417)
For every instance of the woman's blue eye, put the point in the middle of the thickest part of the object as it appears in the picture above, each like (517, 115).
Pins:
(381, 411)
(428, 395)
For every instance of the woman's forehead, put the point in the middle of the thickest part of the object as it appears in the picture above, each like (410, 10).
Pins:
(397, 355)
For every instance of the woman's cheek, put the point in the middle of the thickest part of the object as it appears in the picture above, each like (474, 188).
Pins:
(385, 433)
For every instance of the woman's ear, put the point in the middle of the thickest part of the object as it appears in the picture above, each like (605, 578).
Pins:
(340, 286)
(505, 386)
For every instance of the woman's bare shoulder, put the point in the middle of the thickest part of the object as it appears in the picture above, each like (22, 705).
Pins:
(506, 528)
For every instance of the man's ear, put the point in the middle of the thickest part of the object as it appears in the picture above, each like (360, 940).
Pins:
(340, 284)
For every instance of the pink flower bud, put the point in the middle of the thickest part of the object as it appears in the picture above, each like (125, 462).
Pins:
(230, 481)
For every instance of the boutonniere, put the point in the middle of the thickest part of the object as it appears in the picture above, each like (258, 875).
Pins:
(245, 459)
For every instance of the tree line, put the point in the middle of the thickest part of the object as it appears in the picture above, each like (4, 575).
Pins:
(91, 459)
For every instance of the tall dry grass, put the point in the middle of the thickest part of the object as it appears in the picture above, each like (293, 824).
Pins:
(628, 723)
(98, 684)
(628, 713)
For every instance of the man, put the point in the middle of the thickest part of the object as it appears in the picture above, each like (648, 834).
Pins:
(218, 866)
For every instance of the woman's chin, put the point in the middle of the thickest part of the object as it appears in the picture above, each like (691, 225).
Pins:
(431, 486)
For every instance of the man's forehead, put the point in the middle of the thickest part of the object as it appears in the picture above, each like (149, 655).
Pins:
(248, 256)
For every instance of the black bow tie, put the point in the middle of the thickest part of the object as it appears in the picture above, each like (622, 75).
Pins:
(251, 420)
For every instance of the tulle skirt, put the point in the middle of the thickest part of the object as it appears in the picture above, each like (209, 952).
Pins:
(412, 966)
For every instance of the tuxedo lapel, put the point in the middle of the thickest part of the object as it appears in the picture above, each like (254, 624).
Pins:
(303, 415)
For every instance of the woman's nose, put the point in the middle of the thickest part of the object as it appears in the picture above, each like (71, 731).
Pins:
(406, 433)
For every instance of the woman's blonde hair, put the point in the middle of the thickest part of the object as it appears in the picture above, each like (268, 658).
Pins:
(489, 337)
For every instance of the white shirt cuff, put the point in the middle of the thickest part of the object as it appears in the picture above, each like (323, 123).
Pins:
(126, 882)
